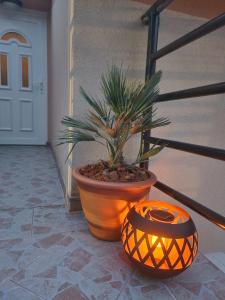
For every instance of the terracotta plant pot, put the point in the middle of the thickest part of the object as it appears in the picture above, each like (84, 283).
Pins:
(106, 204)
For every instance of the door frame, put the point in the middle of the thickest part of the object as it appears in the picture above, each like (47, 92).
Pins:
(32, 16)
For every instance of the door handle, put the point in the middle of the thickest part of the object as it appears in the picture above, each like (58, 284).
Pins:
(39, 86)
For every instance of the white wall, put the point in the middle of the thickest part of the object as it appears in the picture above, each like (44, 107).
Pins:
(109, 31)
(58, 80)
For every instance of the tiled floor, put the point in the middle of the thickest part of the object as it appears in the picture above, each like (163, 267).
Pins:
(47, 253)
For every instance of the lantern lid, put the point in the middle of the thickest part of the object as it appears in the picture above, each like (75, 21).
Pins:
(161, 219)
(161, 216)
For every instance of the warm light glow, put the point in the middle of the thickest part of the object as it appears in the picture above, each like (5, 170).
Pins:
(154, 238)
(155, 251)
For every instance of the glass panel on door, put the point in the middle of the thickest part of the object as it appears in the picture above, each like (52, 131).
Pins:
(3, 70)
(25, 72)
(14, 36)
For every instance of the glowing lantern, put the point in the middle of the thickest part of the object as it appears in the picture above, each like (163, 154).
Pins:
(160, 238)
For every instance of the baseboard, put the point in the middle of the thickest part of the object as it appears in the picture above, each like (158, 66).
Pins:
(72, 203)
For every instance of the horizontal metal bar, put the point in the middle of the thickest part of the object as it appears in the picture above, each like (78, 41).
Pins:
(157, 7)
(205, 212)
(205, 90)
(215, 153)
(195, 34)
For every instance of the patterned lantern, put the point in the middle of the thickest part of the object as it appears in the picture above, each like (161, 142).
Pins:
(160, 238)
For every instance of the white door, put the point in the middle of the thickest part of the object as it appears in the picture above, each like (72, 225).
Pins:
(23, 78)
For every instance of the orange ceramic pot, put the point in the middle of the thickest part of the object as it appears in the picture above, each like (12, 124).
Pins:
(106, 204)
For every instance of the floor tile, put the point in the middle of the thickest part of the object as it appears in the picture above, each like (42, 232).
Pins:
(47, 253)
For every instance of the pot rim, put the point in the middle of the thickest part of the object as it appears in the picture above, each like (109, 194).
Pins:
(114, 185)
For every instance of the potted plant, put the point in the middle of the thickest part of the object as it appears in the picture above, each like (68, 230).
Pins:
(108, 189)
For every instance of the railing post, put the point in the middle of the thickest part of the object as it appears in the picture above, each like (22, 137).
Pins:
(151, 18)
(153, 29)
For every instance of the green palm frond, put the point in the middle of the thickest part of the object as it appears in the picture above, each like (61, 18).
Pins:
(149, 123)
(99, 107)
(144, 97)
(74, 137)
(154, 150)
(96, 120)
(126, 109)
(132, 99)
(111, 151)
(71, 122)
(114, 87)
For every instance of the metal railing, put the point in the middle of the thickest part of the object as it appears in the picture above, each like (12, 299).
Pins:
(151, 18)
(204, 90)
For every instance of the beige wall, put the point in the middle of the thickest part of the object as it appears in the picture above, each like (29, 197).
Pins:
(106, 32)
(110, 31)
(58, 79)
(199, 120)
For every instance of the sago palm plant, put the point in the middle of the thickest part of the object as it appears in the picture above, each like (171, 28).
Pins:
(127, 109)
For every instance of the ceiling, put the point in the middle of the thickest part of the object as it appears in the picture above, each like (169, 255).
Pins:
(201, 8)
(41, 5)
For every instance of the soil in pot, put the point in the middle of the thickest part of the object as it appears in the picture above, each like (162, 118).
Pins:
(102, 172)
